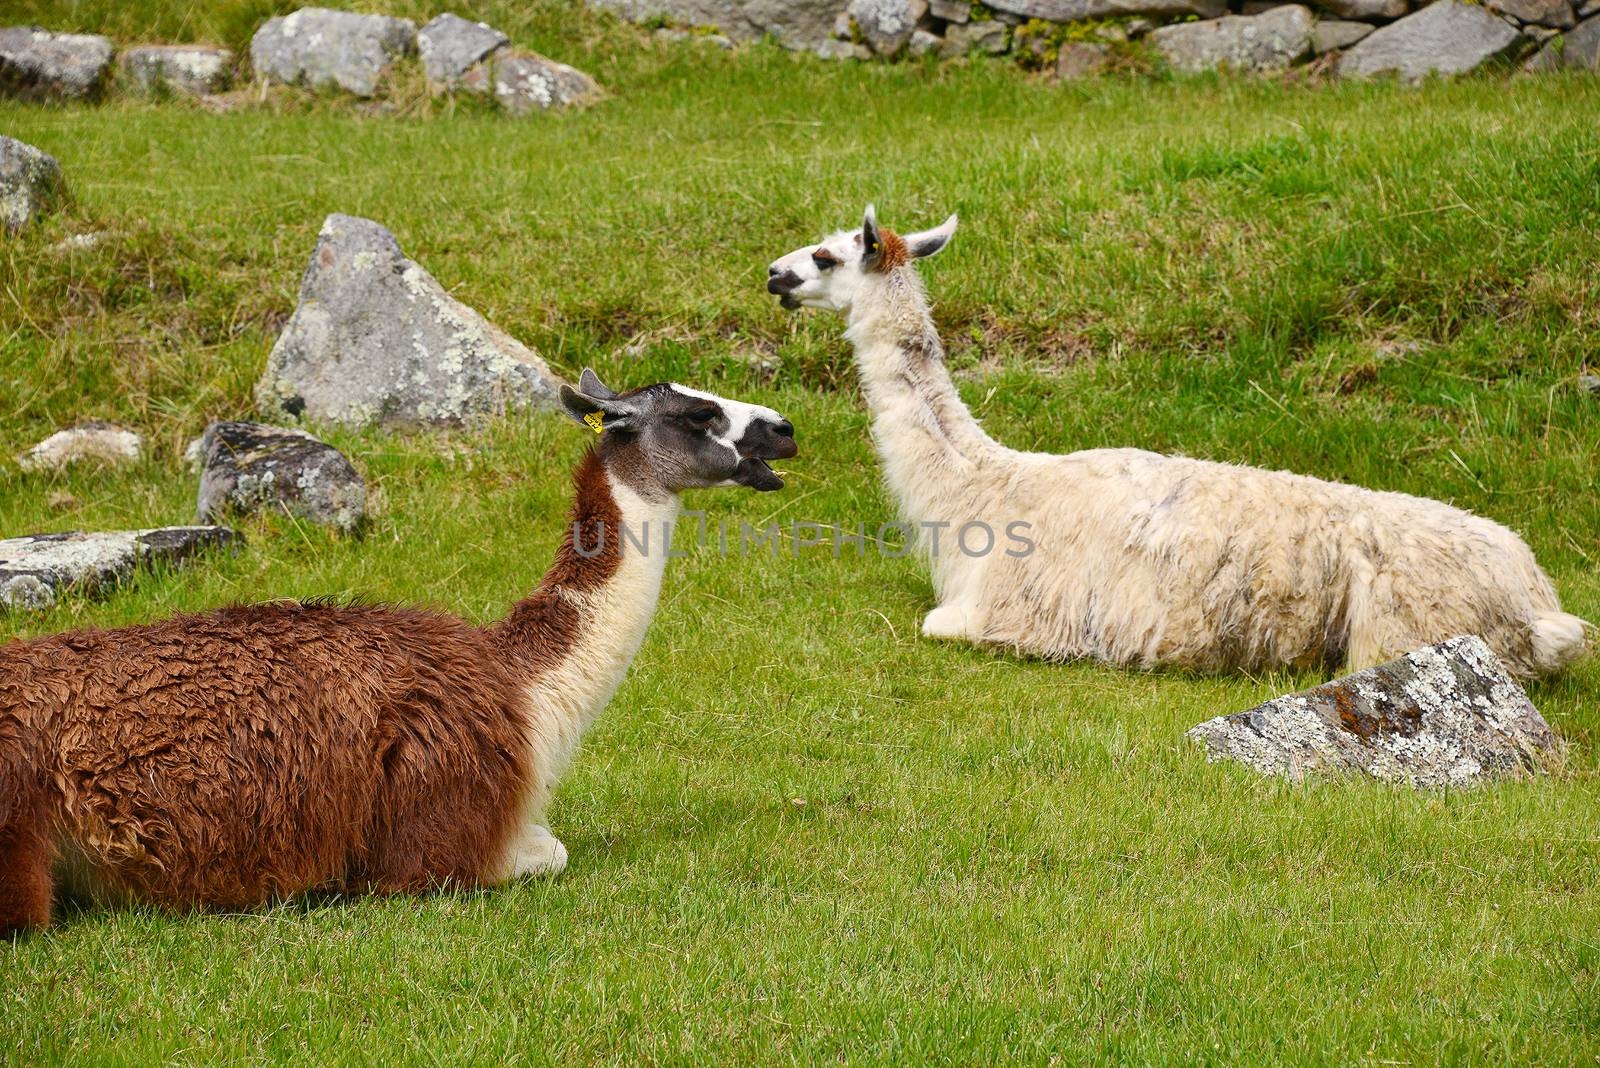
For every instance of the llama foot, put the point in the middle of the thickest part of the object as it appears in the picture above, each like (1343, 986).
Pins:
(947, 621)
(536, 852)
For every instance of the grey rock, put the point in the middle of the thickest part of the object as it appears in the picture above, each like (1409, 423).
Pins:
(843, 50)
(1082, 10)
(194, 69)
(1540, 34)
(1078, 60)
(1330, 35)
(991, 37)
(319, 47)
(1446, 37)
(955, 10)
(1138, 27)
(94, 439)
(1259, 7)
(1445, 715)
(1366, 10)
(795, 24)
(1578, 49)
(34, 570)
(36, 64)
(1271, 41)
(924, 43)
(1556, 14)
(80, 242)
(524, 82)
(30, 183)
(1590, 384)
(887, 25)
(375, 340)
(1589, 7)
(253, 467)
(451, 45)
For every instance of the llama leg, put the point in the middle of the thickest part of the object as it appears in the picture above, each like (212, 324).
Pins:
(534, 851)
(26, 882)
(949, 621)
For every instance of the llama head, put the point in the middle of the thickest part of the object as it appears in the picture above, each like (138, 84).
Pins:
(678, 438)
(830, 274)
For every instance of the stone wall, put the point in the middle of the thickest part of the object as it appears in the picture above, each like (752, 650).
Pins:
(1352, 38)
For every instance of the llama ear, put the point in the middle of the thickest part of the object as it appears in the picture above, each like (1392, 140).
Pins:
(929, 242)
(871, 243)
(598, 413)
(589, 383)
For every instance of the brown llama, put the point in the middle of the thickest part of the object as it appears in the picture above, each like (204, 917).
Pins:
(232, 757)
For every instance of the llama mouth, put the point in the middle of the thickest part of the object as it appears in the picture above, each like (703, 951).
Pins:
(754, 472)
(788, 300)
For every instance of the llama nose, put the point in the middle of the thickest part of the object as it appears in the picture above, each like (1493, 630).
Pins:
(772, 270)
(784, 429)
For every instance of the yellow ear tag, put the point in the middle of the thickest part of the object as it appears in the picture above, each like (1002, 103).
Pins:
(594, 419)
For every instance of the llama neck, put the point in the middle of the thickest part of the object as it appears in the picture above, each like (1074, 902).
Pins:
(926, 437)
(571, 641)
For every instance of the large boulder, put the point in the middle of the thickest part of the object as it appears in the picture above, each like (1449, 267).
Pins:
(193, 69)
(249, 467)
(525, 82)
(1272, 40)
(887, 25)
(30, 183)
(94, 439)
(1446, 37)
(319, 47)
(36, 64)
(1445, 715)
(1577, 50)
(34, 570)
(451, 45)
(375, 340)
(795, 24)
(1556, 14)
(1082, 10)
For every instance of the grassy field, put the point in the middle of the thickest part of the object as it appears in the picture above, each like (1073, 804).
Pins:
(801, 833)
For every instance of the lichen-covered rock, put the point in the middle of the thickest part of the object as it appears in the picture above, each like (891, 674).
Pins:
(887, 25)
(451, 45)
(1556, 14)
(1330, 35)
(30, 183)
(1445, 715)
(34, 570)
(1272, 40)
(951, 10)
(319, 47)
(1081, 59)
(1366, 10)
(1083, 10)
(95, 439)
(194, 69)
(253, 467)
(924, 43)
(375, 340)
(795, 24)
(525, 82)
(1578, 49)
(1446, 37)
(990, 36)
(36, 64)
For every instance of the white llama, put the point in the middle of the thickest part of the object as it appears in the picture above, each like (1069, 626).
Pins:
(1141, 559)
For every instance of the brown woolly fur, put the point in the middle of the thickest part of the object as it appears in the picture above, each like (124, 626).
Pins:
(894, 254)
(232, 757)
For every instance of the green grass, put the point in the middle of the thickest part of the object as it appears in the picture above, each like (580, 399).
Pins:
(801, 833)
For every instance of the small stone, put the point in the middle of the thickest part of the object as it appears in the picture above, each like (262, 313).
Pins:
(1366, 10)
(95, 439)
(1556, 14)
(36, 64)
(1540, 34)
(193, 69)
(924, 43)
(80, 242)
(843, 50)
(30, 183)
(1330, 35)
(1589, 7)
(524, 82)
(451, 45)
(35, 569)
(991, 37)
(887, 25)
(376, 340)
(1590, 384)
(1139, 27)
(1446, 37)
(1272, 41)
(318, 47)
(844, 28)
(1444, 715)
(253, 467)
(958, 10)
(1078, 60)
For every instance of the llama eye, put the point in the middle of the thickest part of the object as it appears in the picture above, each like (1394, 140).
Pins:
(702, 416)
(823, 261)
